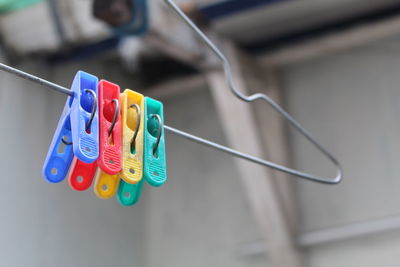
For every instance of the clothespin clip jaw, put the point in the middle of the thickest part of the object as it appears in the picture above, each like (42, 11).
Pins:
(81, 175)
(129, 194)
(110, 145)
(155, 167)
(132, 136)
(60, 153)
(84, 117)
(106, 185)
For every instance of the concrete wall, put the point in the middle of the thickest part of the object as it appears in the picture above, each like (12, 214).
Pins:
(350, 101)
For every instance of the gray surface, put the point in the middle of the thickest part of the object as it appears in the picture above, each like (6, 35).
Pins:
(350, 101)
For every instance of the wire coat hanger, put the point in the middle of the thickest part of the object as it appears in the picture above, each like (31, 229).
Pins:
(229, 79)
(228, 75)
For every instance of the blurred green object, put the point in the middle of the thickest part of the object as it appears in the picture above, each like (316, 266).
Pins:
(12, 5)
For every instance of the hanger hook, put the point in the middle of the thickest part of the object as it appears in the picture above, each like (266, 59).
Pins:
(160, 126)
(65, 142)
(229, 78)
(136, 106)
(94, 108)
(115, 116)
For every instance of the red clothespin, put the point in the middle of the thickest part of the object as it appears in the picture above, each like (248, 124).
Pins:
(81, 175)
(110, 158)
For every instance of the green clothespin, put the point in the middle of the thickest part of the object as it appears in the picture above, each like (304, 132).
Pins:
(129, 194)
(155, 167)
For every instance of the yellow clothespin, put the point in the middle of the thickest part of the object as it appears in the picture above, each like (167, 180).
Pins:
(106, 185)
(132, 107)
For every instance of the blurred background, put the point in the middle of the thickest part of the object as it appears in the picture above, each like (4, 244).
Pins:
(333, 64)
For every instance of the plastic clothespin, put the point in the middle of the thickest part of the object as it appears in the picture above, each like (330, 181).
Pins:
(84, 117)
(155, 167)
(132, 109)
(85, 129)
(81, 175)
(131, 184)
(129, 194)
(110, 159)
(60, 155)
(106, 185)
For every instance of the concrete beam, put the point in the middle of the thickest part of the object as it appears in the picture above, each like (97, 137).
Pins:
(339, 41)
(242, 133)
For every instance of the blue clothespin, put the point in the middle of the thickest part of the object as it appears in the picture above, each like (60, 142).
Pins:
(84, 117)
(60, 154)
(77, 130)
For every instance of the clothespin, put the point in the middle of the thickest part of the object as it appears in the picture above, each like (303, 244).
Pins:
(132, 107)
(106, 185)
(129, 194)
(84, 117)
(110, 159)
(131, 184)
(85, 129)
(81, 176)
(155, 167)
(77, 130)
(60, 154)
